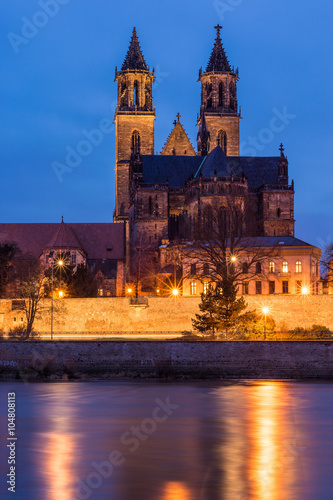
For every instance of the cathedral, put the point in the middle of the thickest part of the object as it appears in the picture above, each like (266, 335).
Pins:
(156, 195)
(154, 191)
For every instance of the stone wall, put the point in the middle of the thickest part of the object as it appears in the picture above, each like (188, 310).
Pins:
(221, 360)
(164, 314)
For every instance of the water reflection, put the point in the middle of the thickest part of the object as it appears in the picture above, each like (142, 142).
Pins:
(225, 441)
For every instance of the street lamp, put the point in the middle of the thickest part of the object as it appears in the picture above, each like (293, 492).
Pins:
(175, 292)
(232, 259)
(265, 310)
(59, 263)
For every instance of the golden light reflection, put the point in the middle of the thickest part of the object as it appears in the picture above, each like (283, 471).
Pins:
(269, 477)
(175, 490)
(59, 465)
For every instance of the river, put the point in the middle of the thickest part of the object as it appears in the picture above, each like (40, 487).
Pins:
(128, 440)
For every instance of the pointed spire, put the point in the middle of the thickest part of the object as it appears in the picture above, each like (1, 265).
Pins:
(218, 61)
(203, 137)
(134, 58)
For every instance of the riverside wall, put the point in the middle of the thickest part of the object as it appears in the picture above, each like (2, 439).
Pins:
(163, 314)
(168, 359)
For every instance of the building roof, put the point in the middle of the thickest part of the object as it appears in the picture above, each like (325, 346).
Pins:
(134, 58)
(218, 61)
(64, 237)
(158, 169)
(270, 241)
(178, 142)
(97, 240)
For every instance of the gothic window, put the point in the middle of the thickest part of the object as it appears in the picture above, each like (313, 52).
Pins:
(222, 140)
(272, 267)
(150, 206)
(148, 102)
(156, 210)
(279, 212)
(123, 95)
(232, 93)
(298, 266)
(221, 91)
(258, 268)
(136, 93)
(136, 142)
(193, 287)
(209, 90)
(285, 267)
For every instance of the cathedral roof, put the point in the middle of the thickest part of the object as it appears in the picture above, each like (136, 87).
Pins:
(215, 163)
(158, 169)
(218, 61)
(178, 142)
(134, 58)
(99, 241)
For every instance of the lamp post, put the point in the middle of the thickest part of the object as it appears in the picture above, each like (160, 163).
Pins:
(265, 310)
(60, 263)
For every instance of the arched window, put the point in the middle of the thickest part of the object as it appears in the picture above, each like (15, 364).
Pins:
(193, 287)
(136, 94)
(272, 267)
(285, 267)
(123, 95)
(222, 140)
(148, 101)
(221, 92)
(258, 268)
(298, 266)
(136, 142)
(209, 90)
(232, 93)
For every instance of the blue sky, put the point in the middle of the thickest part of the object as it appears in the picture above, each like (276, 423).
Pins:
(58, 80)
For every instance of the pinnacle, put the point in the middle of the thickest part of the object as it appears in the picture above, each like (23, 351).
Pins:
(134, 58)
(218, 61)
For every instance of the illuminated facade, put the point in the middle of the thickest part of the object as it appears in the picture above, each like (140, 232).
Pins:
(161, 196)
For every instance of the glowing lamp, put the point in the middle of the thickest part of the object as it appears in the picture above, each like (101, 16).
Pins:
(60, 262)
(129, 290)
(233, 258)
(265, 310)
(61, 294)
(305, 290)
(175, 292)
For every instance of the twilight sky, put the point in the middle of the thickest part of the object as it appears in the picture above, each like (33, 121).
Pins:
(57, 70)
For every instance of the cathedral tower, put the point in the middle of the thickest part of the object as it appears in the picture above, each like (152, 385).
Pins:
(219, 103)
(134, 119)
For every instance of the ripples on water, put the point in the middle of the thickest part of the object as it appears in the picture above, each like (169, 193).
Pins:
(225, 441)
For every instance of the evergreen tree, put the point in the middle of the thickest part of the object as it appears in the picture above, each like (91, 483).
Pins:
(220, 308)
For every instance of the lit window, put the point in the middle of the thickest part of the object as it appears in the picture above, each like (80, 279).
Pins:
(205, 287)
(100, 292)
(298, 266)
(272, 267)
(285, 267)
(193, 287)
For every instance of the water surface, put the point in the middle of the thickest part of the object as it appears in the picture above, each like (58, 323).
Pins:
(260, 440)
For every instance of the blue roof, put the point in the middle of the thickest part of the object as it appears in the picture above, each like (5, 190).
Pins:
(158, 169)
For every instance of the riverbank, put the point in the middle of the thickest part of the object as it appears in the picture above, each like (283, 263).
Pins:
(166, 359)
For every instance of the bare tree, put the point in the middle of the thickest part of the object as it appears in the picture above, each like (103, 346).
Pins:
(327, 263)
(142, 264)
(30, 281)
(222, 247)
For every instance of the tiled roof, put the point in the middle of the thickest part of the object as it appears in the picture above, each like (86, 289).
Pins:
(157, 169)
(134, 58)
(270, 241)
(64, 237)
(217, 162)
(98, 240)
